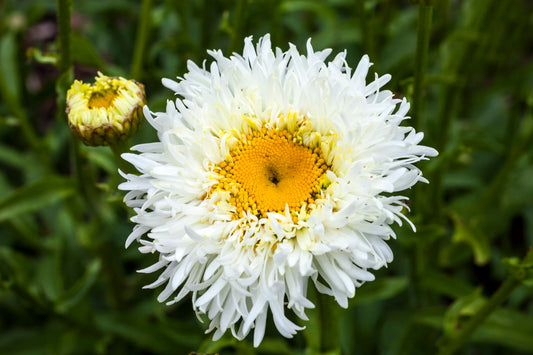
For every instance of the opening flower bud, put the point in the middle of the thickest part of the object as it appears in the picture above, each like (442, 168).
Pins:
(106, 112)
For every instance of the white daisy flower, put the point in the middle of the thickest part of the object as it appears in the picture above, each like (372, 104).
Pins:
(272, 169)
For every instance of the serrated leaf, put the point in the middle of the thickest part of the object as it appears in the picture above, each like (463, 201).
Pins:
(37, 195)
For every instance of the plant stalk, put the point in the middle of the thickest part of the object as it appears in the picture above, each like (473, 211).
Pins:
(238, 25)
(329, 324)
(119, 148)
(64, 8)
(425, 13)
(486, 310)
(141, 39)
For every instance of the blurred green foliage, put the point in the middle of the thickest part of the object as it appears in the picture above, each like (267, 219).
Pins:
(67, 286)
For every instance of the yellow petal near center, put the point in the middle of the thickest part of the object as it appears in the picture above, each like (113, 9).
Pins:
(269, 170)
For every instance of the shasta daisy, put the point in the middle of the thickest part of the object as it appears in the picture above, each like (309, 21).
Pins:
(272, 169)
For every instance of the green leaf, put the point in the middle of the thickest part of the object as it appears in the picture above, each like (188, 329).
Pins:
(466, 231)
(74, 294)
(37, 195)
(463, 307)
(521, 269)
(379, 290)
(16, 274)
(141, 331)
(505, 327)
(9, 73)
(509, 328)
(48, 276)
(103, 158)
(275, 346)
(12, 157)
(441, 283)
(83, 52)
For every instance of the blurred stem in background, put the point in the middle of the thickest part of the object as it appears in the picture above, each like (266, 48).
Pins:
(367, 32)
(118, 148)
(140, 41)
(64, 7)
(97, 210)
(454, 68)
(238, 26)
(425, 13)
(84, 171)
(467, 330)
(519, 271)
(328, 310)
(11, 93)
(423, 34)
(276, 24)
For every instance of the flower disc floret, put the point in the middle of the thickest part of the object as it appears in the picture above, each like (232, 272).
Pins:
(269, 170)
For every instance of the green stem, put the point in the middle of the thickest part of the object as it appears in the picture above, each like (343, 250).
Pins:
(486, 310)
(238, 24)
(456, 67)
(119, 148)
(141, 39)
(366, 30)
(425, 12)
(516, 151)
(206, 21)
(329, 324)
(85, 178)
(64, 7)
(275, 23)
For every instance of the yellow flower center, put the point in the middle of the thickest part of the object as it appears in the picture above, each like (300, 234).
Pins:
(99, 99)
(270, 169)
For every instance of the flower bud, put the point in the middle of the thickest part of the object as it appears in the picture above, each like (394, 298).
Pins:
(106, 112)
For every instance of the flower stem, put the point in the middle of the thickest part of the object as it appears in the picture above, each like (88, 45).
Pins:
(425, 12)
(238, 24)
(329, 324)
(141, 39)
(275, 23)
(366, 29)
(119, 148)
(64, 8)
(473, 323)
